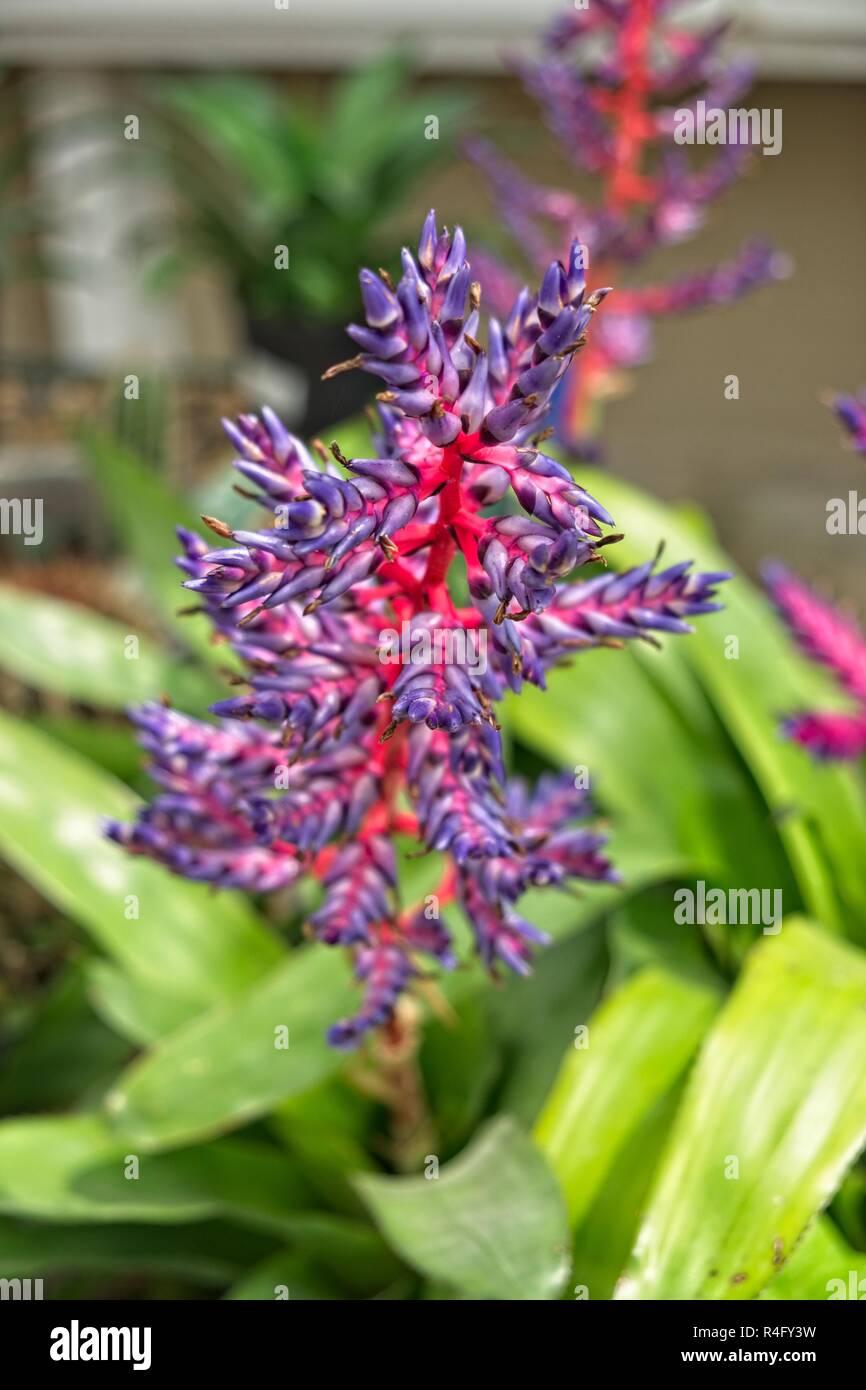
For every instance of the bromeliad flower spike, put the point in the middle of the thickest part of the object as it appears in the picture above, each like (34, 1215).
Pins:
(614, 111)
(836, 642)
(335, 747)
(826, 635)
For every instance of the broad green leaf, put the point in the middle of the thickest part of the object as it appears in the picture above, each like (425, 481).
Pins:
(144, 514)
(209, 1252)
(226, 1067)
(638, 1044)
(193, 947)
(68, 650)
(74, 1168)
(774, 1113)
(492, 1224)
(327, 1130)
(823, 1266)
(132, 1007)
(460, 1061)
(640, 863)
(658, 762)
(109, 744)
(606, 1234)
(534, 1019)
(821, 810)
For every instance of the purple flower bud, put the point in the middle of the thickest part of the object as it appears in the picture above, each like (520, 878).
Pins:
(380, 304)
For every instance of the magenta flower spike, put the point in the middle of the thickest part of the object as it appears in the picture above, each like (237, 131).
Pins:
(831, 639)
(368, 708)
(612, 81)
(827, 636)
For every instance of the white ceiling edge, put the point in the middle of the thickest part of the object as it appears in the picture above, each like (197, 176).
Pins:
(788, 38)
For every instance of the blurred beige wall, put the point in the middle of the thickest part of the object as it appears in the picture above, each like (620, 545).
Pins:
(765, 465)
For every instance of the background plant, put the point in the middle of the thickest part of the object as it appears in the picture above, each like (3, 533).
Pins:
(255, 170)
(609, 84)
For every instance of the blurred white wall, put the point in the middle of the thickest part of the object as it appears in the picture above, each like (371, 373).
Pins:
(790, 38)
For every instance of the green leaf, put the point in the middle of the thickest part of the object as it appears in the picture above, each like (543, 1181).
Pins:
(110, 745)
(326, 1130)
(66, 649)
(606, 1233)
(534, 1018)
(492, 1224)
(774, 1113)
(639, 1043)
(209, 1252)
(74, 1168)
(224, 1069)
(823, 1266)
(285, 1275)
(459, 1061)
(133, 1008)
(615, 713)
(145, 515)
(192, 947)
(237, 119)
(821, 810)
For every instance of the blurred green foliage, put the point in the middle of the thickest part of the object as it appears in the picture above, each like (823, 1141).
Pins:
(255, 171)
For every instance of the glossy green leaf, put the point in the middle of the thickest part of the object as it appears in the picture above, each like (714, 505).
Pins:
(823, 1267)
(145, 513)
(109, 744)
(69, 650)
(638, 1044)
(209, 1253)
(656, 757)
(132, 1007)
(460, 1061)
(534, 1018)
(821, 811)
(774, 1113)
(225, 1068)
(606, 1233)
(193, 947)
(327, 1129)
(74, 1168)
(492, 1224)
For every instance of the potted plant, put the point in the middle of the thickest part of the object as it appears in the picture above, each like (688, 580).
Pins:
(287, 200)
